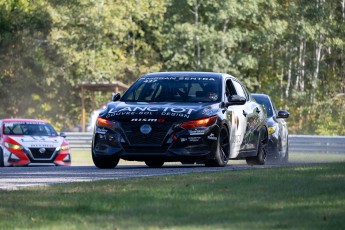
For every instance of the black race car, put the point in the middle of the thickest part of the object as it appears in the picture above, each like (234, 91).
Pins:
(278, 138)
(181, 116)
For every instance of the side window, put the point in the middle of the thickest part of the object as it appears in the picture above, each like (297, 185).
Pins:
(230, 89)
(274, 108)
(239, 89)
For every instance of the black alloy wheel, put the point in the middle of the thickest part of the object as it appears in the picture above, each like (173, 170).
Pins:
(223, 150)
(260, 158)
(276, 156)
(1, 158)
(105, 162)
(285, 159)
(154, 164)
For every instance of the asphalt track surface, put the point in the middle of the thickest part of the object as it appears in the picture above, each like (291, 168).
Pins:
(13, 178)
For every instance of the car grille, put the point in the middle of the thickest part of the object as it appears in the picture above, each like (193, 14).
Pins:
(46, 155)
(155, 137)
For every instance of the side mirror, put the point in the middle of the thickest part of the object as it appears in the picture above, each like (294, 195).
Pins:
(283, 114)
(62, 134)
(236, 100)
(115, 97)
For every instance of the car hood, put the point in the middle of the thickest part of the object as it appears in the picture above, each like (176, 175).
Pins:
(167, 111)
(38, 141)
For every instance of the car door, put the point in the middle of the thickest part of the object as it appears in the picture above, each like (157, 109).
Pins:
(238, 121)
(283, 130)
(251, 112)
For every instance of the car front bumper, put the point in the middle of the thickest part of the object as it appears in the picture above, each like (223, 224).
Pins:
(183, 145)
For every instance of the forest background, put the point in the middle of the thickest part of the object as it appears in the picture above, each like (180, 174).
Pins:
(293, 50)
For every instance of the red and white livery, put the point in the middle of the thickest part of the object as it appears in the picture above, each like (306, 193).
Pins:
(31, 142)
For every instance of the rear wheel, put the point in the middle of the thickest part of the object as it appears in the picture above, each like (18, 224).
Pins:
(105, 162)
(223, 150)
(154, 164)
(260, 158)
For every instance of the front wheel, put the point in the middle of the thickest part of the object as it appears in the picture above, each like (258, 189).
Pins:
(1, 158)
(223, 150)
(154, 164)
(105, 162)
(285, 159)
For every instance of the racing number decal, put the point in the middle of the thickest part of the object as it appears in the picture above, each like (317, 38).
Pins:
(33, 138)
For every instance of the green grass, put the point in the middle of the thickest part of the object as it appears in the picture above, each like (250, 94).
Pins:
(299, 197)
(83, 157)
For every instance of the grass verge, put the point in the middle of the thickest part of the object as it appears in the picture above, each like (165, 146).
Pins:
(302, 197)
(83, 157)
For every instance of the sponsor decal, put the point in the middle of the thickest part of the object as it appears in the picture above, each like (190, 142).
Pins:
(190, 139)
(196, 132)
(212, 137)
(101, 130)
(175, 115)
(235, 138)
(147, 110)
(213, 96)
(209, 112)
(10, 124)
(41, 146)
(183, 139)
(37, 139)
(194, 139)
(160, 120)
(181, 78)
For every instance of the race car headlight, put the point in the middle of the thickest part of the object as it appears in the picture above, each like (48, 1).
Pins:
(64, 147)
(271, 130)
(204, 122)
(101, 122)
(13, 146)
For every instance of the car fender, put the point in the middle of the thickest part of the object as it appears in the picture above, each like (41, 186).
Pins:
(6, 154)
(237, 129)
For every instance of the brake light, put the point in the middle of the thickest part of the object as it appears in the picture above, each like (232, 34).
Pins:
(101, 122)
(204, 122)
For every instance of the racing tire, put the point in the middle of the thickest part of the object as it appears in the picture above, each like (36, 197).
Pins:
(260, 158)
(154, 164)
(105, 162)
(285, 159)
(223, 150)
(188, 162)
(276, 156)
(1, 158)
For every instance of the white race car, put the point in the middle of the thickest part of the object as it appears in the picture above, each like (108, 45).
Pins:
(29, 142)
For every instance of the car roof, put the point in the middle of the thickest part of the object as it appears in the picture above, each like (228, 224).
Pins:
(260, 95)
(184, 74)
(22, 120)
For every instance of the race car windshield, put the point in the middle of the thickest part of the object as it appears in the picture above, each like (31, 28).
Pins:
(29, 128)
(172, 90)
(266, 103)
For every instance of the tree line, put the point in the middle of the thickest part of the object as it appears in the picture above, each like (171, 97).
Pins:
(293, 50)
